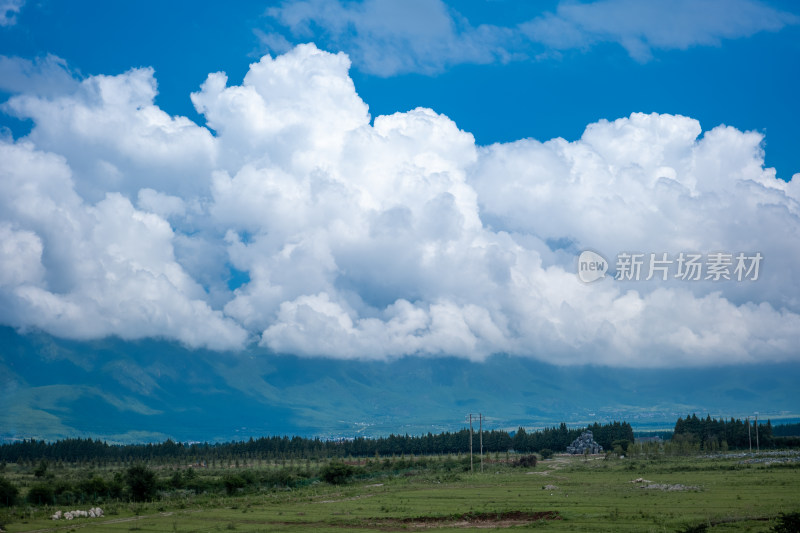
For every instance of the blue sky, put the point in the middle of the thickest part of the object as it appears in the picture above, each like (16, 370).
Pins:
(370, 180)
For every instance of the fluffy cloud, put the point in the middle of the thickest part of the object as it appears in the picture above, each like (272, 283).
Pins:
(293, 110)
(647, 184)
(377, 239)
(115, 138)
(87, 271)
(388, 38)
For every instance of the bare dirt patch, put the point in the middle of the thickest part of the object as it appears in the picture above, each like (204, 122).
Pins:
(471, 520)
(354, 498)
(670, 487)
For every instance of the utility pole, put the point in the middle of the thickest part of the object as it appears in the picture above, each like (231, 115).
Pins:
(480, 432)
(757, 446)
(470, 443)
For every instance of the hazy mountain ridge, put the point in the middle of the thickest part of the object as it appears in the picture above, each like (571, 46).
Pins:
(150, 390)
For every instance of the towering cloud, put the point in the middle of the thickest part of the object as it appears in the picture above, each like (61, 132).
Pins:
(373, 239)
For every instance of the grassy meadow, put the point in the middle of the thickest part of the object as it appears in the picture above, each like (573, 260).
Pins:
(717, 493)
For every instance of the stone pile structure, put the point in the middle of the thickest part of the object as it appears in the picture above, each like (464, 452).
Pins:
(583, 443)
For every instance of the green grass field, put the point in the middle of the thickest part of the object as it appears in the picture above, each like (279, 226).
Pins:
(724, 493)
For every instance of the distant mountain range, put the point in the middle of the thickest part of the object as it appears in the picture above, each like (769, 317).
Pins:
(149, 390)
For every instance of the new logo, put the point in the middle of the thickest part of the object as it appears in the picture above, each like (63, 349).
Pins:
(591, 266)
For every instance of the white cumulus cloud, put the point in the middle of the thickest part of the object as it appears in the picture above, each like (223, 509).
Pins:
(374, 239)
(86, 271)
(115, 138)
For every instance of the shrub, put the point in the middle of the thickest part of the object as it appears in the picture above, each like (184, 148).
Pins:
(622, 443)
(41, 494)
(526, 461)
(41, 470)
(197, 484)
(336, 473)
(8, 493)
(94, 487)
(233, 482)
(280, 478)
(547, 453)
(787, 523)
(176, 481)
(66, 498)
(141, 483)
(116, 486)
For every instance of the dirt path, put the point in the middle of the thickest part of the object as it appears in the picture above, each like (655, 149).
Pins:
(468, 521)
(556, 463)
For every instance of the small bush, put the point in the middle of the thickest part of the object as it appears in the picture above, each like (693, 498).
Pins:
(8, 493)
(94, 487)
(41, 494)
(233, 482)
(622, 444)
(547, 453)
(198, 484)
(280, 478)
(787, 523)
(176, 481)
(66, 498)
(41, 470)
(141, 483)
(526, 461)
(336, 473)
(116, 486)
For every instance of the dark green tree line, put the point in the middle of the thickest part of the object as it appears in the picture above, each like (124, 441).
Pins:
(283, 447)
(719, 434)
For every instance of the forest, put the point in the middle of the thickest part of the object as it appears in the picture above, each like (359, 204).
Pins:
(711, 434)
(284, 447)
(708, 434)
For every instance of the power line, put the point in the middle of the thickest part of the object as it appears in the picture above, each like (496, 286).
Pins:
(480, 435)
